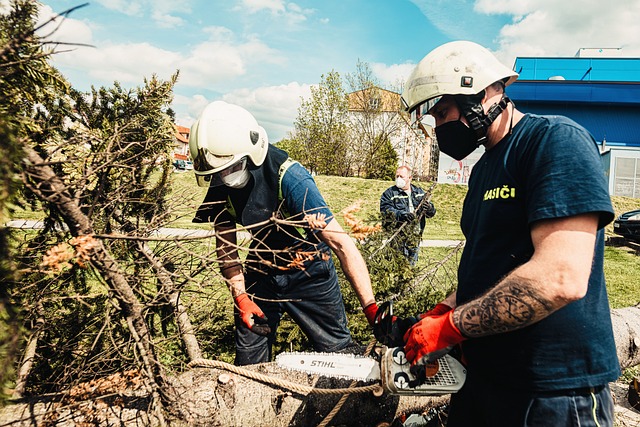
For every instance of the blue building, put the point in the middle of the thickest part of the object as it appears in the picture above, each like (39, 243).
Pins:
(599, 89)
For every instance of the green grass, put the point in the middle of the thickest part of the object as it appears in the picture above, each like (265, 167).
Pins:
(340, 192)
(621, 270)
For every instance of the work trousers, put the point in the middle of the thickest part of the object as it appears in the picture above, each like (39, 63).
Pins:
(312, 298)
(484, 404)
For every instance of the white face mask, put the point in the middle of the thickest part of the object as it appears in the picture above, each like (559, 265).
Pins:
(237, 179)
(400, 182)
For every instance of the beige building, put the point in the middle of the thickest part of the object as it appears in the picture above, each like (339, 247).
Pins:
(375, 112)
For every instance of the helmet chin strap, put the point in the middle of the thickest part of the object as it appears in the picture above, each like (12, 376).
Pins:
(480, 121)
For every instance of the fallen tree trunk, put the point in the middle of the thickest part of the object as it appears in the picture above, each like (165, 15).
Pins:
(233, 400)
(626, 330)
(215, 397)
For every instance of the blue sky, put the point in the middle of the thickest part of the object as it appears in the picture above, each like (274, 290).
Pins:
(265, 54)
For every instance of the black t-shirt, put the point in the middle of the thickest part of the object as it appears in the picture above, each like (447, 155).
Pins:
(549, 167)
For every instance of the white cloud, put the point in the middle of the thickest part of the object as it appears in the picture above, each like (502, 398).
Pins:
(219, 60)
(393, 76)
(161, 11)
(63, 29)
(128, 63)
(253, 6)
(5, 6)
(552, 28)
(222, 58)
(274, 107)
(291, 12)
(128, 7)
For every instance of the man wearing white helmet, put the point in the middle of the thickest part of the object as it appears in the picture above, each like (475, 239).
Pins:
(287, 268)
(530, 312)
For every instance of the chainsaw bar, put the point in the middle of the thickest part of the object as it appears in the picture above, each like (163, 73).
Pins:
(334, 365)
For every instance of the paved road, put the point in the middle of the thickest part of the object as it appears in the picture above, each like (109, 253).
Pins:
(176, 232)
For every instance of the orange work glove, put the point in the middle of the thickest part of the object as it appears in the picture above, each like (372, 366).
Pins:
(431, 338)
(440, 308)
(251, 315)
(370, 312)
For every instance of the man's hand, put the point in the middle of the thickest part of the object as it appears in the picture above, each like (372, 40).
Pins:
(251, 315)
(426, 209)
(407, 217)
(440, 308)
(370, 312)
(387, 328)
(431, 338)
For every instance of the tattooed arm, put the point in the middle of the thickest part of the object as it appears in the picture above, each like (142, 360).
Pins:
(557, 274)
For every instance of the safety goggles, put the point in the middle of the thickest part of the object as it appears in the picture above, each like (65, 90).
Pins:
(228, 174)
(422, 109)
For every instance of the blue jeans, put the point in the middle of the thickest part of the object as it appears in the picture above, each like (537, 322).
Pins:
(312, 298)
(411, 253)
(482, 404)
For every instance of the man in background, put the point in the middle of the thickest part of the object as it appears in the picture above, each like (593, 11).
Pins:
(404, 210)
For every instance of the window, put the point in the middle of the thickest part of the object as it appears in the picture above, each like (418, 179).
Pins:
(627, 177)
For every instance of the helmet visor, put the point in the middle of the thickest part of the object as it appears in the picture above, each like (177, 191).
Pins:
(423, 109)
(228, 174)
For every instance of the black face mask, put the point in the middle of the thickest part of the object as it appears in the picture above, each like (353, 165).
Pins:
(455, 139)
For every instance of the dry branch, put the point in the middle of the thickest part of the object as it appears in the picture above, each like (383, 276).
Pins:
(49, 187)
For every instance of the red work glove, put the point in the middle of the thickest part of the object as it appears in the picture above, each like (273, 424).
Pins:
(370, 312)
(439, 309)
(431, 338)
(251, 315)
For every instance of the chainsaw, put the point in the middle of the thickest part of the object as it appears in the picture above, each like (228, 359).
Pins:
(442, 376)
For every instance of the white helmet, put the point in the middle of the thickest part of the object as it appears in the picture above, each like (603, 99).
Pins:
(455, 68)
(224, 135)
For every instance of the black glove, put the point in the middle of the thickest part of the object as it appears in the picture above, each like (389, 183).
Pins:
(260, 325)
(389, 329)
(427, 209)
(407, 217)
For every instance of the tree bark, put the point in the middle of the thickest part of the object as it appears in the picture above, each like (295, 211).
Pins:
(626, 330)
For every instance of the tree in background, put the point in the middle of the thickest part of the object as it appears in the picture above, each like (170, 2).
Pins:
(319, 139)
(374, 121)
(347, 134)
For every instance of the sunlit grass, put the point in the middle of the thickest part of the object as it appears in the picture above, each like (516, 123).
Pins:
(622, 270)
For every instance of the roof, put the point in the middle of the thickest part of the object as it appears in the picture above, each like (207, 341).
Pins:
(600, 93)
(619, 93)
(182, 133)
(603, 69)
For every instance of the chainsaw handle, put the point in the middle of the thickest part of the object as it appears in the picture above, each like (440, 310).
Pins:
(384, 315)
(389, 329)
